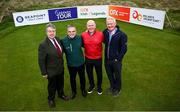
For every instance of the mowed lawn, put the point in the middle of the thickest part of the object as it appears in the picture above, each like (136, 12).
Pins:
(150, 75)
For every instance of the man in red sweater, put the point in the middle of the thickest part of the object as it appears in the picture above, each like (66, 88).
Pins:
(92, 41)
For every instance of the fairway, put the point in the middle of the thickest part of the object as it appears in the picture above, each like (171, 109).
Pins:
(150, 72)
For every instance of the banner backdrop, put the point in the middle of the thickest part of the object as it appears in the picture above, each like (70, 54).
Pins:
(30, 17)
(62, 14)
(147, 17)
(92, 11)
(141, 16)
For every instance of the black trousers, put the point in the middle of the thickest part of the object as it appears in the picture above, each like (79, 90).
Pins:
(90, 64)
(73, 72)
(113, 70)
(55, 83)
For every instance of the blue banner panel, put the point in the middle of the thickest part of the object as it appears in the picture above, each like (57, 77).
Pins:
(62, 14)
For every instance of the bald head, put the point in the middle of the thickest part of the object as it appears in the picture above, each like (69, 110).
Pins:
(91, 26)
(89, 22)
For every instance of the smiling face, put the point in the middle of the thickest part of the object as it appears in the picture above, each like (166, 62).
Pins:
(71, 31)
(111, 24)
(91, 26)
(51, 32)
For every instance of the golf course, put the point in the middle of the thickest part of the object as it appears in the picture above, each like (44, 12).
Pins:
(150, 71)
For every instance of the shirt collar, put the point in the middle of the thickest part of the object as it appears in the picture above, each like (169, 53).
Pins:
(70, 37)
(113, 31)
(91, 33)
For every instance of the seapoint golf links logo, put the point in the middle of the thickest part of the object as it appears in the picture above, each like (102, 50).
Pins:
(19, 19)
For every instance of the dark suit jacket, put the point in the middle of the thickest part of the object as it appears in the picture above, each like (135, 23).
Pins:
(117, 46)
(49, 61)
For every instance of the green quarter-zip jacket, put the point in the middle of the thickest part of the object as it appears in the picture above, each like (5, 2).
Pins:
(73, 51)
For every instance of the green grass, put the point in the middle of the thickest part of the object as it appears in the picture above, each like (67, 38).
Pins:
(150, 73)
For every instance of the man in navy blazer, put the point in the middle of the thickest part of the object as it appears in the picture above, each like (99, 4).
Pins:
(50, 58)
(115, 48)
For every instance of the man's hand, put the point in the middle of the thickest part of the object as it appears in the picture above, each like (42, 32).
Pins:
(45, 76)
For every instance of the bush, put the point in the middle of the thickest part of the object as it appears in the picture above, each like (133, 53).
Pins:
(176, 25)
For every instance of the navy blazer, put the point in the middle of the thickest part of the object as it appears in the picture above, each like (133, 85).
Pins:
(116, 48)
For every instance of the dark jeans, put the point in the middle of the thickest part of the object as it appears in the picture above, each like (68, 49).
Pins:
(73, 71)
(98, 67)
(55, 83)
(113, 70)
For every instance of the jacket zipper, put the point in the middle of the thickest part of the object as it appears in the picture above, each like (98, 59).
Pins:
(108, 49)
(71, 47)
(109, 44)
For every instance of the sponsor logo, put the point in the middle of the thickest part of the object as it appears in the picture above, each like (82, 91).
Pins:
(87, 12)
(62, 14)
(84, 11)
(120, 13)
(35, 17)
(150, 19)
(30, 17)
(19, 19)
(137, 15)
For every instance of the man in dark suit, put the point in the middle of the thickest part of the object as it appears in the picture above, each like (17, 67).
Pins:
(50, 58)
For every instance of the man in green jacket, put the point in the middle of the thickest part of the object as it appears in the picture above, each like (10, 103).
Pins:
(72, 44)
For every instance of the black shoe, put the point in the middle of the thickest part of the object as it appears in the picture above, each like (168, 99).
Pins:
(73, 95)
(116, 93)
(99, 91)
(51, 104)
(90, 90)
(84, 93)
(64, 97)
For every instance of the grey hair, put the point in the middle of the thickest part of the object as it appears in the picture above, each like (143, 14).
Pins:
(70, 26)
(111, 18)
(51, 26)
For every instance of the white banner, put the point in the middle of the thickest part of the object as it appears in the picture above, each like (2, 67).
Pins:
(30, 17)
(147, 17)
(100, 11)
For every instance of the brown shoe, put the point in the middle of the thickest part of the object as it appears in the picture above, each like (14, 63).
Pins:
(64, 97)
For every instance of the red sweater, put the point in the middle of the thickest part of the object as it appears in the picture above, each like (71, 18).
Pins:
(93, 44)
